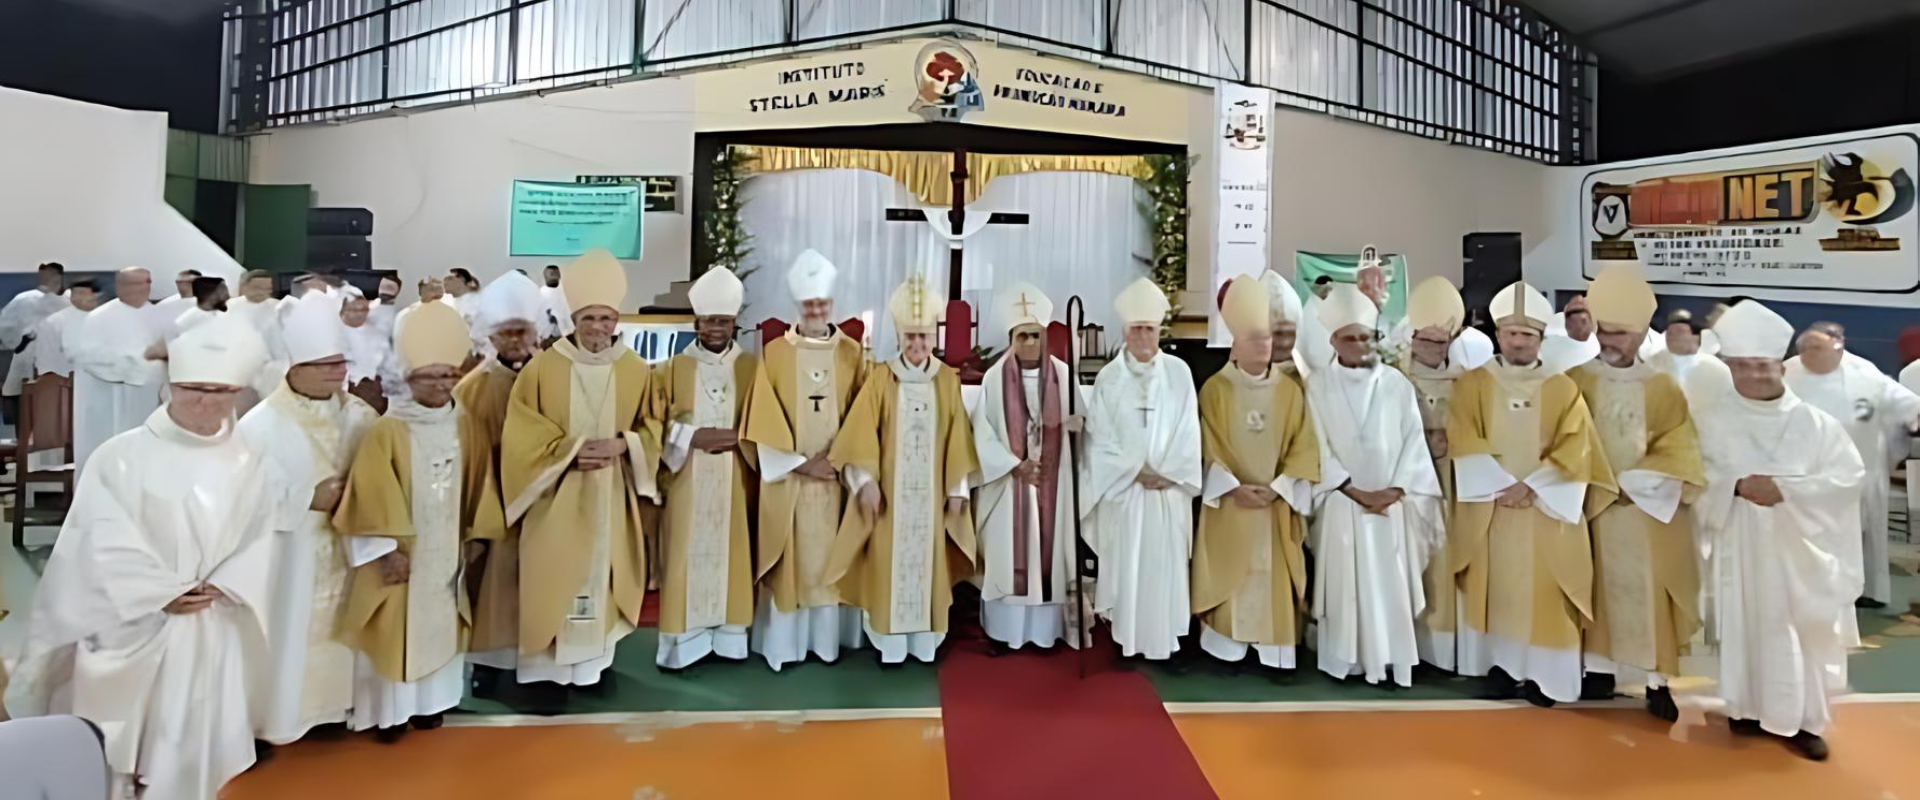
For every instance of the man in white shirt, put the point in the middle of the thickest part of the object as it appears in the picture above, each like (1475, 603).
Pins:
(22, 314)
(119, 356)
(49, 349)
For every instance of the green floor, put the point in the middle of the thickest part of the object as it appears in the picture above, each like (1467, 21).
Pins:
(857, 680)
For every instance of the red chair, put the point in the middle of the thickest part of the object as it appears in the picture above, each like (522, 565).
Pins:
(854, 329)
(1057, 338)
(958, 344)
(771, 329)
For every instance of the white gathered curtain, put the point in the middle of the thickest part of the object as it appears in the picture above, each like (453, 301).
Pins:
(1086, 235)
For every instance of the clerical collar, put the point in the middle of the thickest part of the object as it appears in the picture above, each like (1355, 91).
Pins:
(1241, 377)
(578, 355)
(700, 353)
(412, 413)
(162, 425)
(1137, 366)
(798, 339)
(908, 373)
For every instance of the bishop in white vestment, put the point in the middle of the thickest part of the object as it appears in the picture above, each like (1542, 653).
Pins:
(1371, 540)
(119, 358)
(1143, 470)
(1869, 405)
(407, 612)
(1780, 516)
(153, 606)
(306, 433)
(1025, 511)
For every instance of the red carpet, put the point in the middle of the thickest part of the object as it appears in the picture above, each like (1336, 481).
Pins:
(1025, 725)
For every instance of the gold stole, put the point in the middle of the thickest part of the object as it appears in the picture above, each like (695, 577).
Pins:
(590, 415)
(712, 475)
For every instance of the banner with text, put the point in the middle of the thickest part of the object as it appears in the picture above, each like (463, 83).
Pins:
(1836, 216)
(567, 219)
(1242, 127)
(940, 80)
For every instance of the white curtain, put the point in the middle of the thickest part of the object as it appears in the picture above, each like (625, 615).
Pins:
(1085, 236)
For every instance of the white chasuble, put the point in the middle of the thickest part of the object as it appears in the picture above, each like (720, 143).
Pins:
(162, 511)
(309, 679)
(1142, 416)
(1783, 581)
(707, 555)
(435, 672)
(1869, 405)
(1370, 567)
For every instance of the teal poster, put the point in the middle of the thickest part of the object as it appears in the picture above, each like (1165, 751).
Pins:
(567, 219)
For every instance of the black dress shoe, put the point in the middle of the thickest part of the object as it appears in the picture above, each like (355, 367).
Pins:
(429, 722)
(390, 735)
(1807, 746)
(1745, 727)
(1660, 704)
(1866, 602)
(1531, 692)
(1498, 685)
(1596, 686)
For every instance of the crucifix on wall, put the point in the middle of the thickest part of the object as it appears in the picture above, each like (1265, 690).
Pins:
(956, 221)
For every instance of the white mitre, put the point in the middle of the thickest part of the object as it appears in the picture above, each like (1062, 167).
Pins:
(1619, 296)
(1521, 305)
(1022, 304)
(433, 336)
(1347, 305)
(224, 350)
(811, 277)
(1142, 302)
(509, 298)
(718, 293)
(312, 329)
(594, 279)
(916, 307)
(1285, 301)
(1751, 330)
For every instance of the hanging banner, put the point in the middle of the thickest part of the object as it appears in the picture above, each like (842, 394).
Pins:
(1309, 267)
(1243, 122)
(942, 80)
(1831, 217)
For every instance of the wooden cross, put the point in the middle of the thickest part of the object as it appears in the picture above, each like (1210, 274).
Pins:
(956, 218)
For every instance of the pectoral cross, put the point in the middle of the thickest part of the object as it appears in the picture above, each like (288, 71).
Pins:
(816, 398)
(1146, 415)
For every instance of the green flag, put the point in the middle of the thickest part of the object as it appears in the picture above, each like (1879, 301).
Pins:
(1308, 267)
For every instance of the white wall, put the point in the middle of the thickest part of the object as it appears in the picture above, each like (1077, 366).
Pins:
(1340, 185)
(439, 182)
(82, 184)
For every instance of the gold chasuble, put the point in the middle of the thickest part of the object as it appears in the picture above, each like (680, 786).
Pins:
(1249, 571)
(405, 486)
(583, 570)
(908, 431)
(1526, 576)
(707, 580)
(801, 392)
(482, 398)
(1434, 390)
(1645, 581)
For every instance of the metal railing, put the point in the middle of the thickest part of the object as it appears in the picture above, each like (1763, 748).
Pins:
(1484, 73)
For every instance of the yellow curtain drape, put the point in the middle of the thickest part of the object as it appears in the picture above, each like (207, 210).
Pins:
(929, 174)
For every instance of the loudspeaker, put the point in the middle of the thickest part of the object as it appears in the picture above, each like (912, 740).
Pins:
(339, 253)
(1489, 262)
(339, 222)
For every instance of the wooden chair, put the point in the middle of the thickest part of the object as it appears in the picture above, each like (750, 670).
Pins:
(46, 424)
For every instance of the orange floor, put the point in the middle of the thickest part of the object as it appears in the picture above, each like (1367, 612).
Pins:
(1256, 756)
